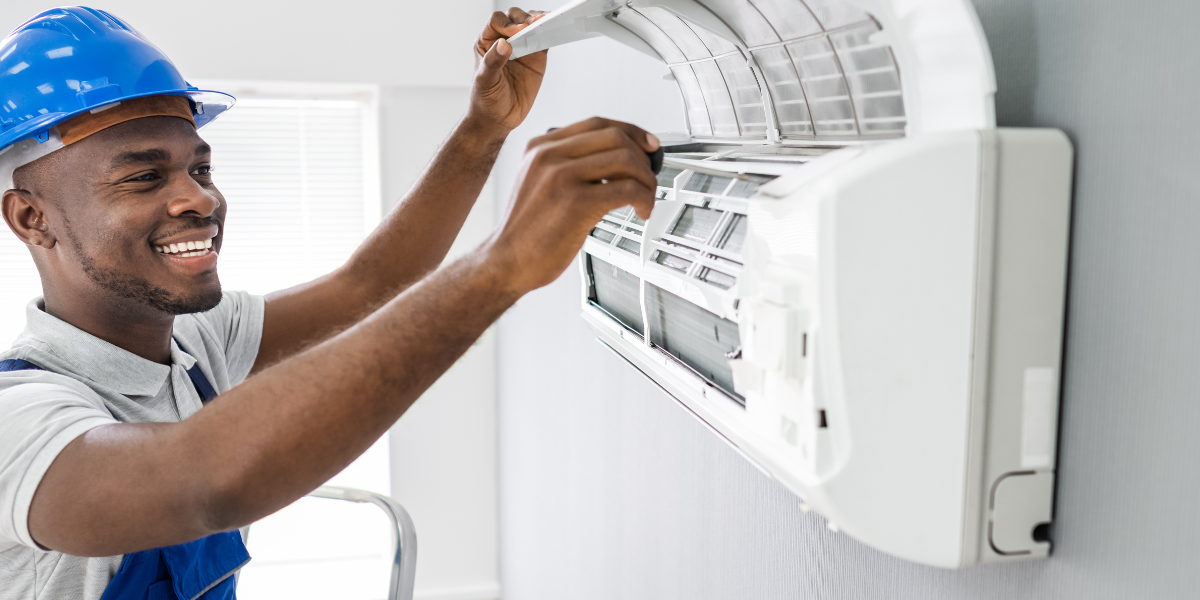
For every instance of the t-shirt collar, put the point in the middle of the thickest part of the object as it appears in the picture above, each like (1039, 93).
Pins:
(63, 348)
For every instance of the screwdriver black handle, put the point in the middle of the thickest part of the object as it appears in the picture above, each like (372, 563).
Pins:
(656, 157)
(656, 160)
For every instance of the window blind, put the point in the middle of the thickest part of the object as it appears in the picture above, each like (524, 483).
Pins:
(294, 174)
(297, 176)
(19, 283)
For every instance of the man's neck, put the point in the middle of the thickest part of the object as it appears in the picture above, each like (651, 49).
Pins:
(119, 321)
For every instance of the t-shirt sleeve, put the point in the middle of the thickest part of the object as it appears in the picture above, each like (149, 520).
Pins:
(37, 420)
(238, 324)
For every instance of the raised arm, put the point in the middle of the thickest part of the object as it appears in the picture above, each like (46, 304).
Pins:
(415, 237)
(121, 488)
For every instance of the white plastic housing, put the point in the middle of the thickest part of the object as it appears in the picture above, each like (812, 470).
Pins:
(868, 306)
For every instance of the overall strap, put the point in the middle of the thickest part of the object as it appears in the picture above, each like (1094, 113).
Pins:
(17, 364)
(203, 387)
(207, 391)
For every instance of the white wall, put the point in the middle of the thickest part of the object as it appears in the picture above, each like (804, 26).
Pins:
(393, 42)
(443, 452)
(443, 449)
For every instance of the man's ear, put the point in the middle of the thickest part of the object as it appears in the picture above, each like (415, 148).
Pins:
(25, 218)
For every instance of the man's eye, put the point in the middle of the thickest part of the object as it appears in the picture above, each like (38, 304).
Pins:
(206, 170)
(145, 177)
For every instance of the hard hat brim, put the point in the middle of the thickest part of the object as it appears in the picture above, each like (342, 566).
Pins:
(207, 105)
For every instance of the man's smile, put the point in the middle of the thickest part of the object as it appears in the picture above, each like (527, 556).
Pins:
(193, 250)
(186, 249)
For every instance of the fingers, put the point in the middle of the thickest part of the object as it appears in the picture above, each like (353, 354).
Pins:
(614, 177)
(504, 25)
(570, 178)
(497, 23)
(614, 165)
(646, 140)
(522, 18)
(592, 155)
(517, 15)
(598, 140)
(493, 64)
(625, 192)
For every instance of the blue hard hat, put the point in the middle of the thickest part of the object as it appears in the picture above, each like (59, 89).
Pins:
(67, 61)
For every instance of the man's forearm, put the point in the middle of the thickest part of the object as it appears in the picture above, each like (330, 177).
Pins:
(410, 243)
(415, 237)
(357, 383)
(262, 447)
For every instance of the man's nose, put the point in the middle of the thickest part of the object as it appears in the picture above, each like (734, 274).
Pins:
(189, 198)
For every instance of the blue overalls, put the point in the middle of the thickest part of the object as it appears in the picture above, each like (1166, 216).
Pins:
(202, 568)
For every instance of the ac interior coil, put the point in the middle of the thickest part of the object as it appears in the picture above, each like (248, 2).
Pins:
(850, 273)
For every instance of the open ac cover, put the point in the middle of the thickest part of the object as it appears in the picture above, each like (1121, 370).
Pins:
(850, 273)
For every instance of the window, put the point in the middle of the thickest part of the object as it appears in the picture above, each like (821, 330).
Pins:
(301, 174)
(19, 284)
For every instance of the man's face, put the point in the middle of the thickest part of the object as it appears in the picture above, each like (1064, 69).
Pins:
(135, 214)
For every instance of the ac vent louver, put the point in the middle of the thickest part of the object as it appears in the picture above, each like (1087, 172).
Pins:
(826, 74)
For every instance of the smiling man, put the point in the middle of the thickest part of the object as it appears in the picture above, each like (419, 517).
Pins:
(122, 473)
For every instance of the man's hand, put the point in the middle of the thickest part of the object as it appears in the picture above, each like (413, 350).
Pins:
(504, 90)
(415, 237)
(570, 178)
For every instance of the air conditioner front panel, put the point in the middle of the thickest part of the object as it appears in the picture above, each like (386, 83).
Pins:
(849, 273)
(897, 300)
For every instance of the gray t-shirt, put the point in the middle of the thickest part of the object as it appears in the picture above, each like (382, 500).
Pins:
(91, 383)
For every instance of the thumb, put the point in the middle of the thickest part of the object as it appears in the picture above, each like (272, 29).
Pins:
(493, 63)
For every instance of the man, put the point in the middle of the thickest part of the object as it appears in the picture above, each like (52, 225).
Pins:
(120, 475)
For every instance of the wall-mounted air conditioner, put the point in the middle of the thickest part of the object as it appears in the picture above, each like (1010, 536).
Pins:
(850, 273)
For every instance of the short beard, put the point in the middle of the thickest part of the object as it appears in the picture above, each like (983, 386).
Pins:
(142, 291)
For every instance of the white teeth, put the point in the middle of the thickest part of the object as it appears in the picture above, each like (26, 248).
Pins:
(186, 249)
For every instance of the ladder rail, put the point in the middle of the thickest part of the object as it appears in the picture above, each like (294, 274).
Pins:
(404, 535)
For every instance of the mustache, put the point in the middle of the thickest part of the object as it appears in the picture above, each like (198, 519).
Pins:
(192, 224)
